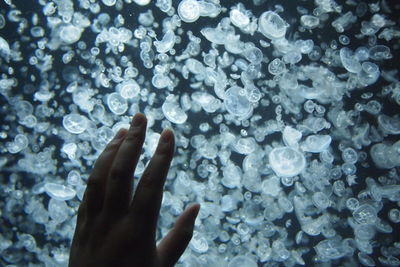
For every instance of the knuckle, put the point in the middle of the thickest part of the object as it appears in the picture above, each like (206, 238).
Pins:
(135, 137)
(112, 146)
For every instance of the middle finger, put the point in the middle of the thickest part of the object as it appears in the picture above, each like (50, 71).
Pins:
(120, 180)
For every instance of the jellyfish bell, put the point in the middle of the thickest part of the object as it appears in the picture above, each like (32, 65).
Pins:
(142, 2)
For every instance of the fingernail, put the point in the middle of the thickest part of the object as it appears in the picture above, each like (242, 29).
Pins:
(166, 136)
(138, 120)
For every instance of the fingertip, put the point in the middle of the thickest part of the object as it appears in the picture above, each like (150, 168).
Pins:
(138, 120)
(167, 135)
(191, 213)
(194, 209)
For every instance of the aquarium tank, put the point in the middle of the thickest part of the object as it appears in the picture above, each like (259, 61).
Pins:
(286, 117)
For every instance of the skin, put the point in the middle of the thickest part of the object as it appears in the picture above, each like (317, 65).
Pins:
(116, 226)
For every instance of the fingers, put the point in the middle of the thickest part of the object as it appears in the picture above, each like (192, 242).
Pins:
(120, 180)
(147, 200)
(174, 244)
(94, 194)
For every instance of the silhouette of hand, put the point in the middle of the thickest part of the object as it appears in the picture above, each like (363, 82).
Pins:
(116, 228)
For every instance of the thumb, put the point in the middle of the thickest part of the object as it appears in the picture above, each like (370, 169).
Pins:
(175, 242)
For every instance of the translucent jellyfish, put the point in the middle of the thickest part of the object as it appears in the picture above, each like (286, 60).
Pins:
(4, 48)
(309, 22)
(239, 18)
(361, 53)
(253, 213)
(59, 192)
(330, 249)
(369, 73)
(350, 63)
(142, 2)
(173, 112)
(291, 136)
(241, 261)
(394, 215)
(101, 137)
(75, 123)
(167, 43)
(195, 66)
(58, 210)
(286, 161)
(228, 203)
(365, 259)
(70, 34)
(2, 21)
(161, 81)
(208, 102)
(292, 57)
(389, 125)
(117, 104)
(316, 143)
(214, 35)
(380, 52)
(352, 203)
(276, 66)
(232, 176)
(272, 26)
(320, 200)
(381, 156)
(74, 177)
(364, 231)
(349, 155)
(365, 214)
(254, 55)
(164, 5)
(109, 2)
(128, 89)
(236, 102)
(189, 10)
(199, 243)
(28, 241)
(245, 145)
(271, 186)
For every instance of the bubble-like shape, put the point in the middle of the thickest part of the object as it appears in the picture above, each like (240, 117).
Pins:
(365, 214)
(70, 34)
(350, 63)
(173, 112)
(75, 123)
(241, 261)
(236, 102)
(142, 2)
(199, 243)
(189, 10)
(59, 191)
(239, 18)
(117, 104)
(316, 143)
(286, 161)
(128, 89)
(109, 2)
(309, 22)
(272, 26)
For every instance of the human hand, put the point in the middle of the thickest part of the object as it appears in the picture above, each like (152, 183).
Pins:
(115, 230)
